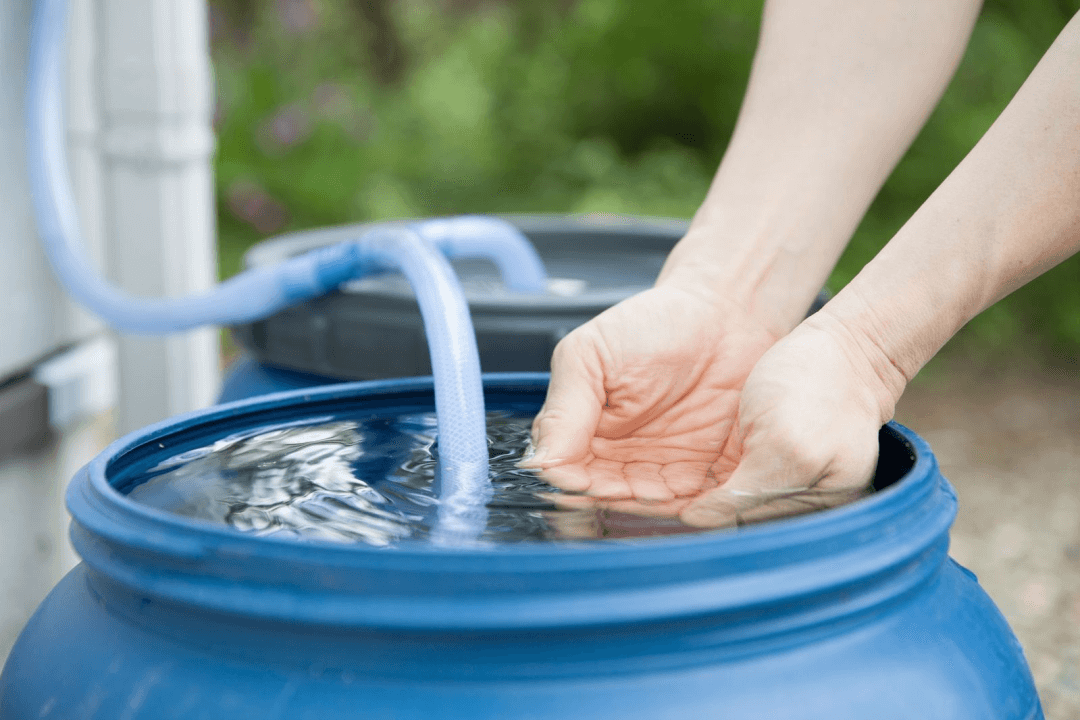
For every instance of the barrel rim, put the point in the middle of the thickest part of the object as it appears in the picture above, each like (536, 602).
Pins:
(883, 545)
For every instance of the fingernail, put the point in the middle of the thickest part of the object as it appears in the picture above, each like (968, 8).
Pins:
(533, 456)
(702, 517)
(534, 431)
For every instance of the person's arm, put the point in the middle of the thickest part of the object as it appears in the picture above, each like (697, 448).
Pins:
(813, 404)
(837, 92)
(1009, 212)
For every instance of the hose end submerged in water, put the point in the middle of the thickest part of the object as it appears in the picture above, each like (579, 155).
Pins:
(261, 292)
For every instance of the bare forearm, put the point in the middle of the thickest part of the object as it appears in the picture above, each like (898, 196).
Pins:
(1010, 211)
(838, 90)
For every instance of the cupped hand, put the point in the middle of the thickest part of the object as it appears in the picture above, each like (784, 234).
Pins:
(669, 405)
(808, 423)
(644, 397)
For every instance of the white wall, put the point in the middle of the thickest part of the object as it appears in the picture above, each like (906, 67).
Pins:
(139, 107)
(35, 318)
(139, 103)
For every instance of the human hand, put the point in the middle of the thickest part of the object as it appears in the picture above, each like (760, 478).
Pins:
(805, 437)
(643, 399)
(807, 432)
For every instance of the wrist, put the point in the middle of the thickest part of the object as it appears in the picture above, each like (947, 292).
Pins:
(772, 227)
(930, 279)
(749, 268)
(869, 347)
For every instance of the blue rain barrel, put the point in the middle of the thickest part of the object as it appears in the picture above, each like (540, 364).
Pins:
(851, 613)
(372, 329)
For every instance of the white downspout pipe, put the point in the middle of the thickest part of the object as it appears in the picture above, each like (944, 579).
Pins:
(156, 104)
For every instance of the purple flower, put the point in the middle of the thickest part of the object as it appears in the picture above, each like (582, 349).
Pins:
(248, 201)
(288, 126)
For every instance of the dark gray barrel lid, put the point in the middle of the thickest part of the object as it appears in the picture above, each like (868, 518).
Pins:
(372, 327)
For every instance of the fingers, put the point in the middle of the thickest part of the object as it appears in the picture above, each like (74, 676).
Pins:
(580, 503)
(598, 478)
(564, 428)
(646, 483)
(571, 478)
(724, 505)
(688, 478)
(806, 437)
(581, 517)
(784, 476)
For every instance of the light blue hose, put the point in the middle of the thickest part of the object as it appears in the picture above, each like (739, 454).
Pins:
(244, 298)
(414, 250)
(459, 396)
(497, 240)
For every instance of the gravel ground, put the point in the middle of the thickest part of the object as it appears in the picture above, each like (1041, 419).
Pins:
(1009, 440)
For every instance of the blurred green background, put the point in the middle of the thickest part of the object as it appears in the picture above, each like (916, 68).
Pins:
(332, 111)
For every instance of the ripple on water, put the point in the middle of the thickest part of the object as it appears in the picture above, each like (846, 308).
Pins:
(370, 480)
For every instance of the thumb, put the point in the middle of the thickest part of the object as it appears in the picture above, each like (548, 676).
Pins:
(564, 428)
(758, 478)
(781, 479)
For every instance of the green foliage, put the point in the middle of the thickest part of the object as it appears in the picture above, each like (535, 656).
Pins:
(336, 111)
(1009, 39)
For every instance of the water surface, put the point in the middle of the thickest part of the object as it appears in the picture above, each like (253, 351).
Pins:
(370, 480)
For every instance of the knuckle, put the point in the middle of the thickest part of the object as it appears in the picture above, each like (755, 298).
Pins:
(571, 344)
(802, 451)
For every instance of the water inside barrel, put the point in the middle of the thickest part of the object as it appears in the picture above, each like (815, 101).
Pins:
(373, 480)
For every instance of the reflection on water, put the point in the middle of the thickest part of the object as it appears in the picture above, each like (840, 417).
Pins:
(371, 480)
